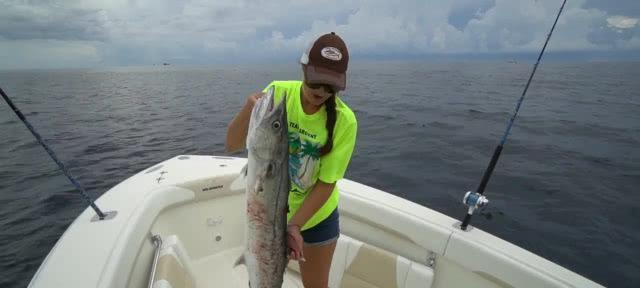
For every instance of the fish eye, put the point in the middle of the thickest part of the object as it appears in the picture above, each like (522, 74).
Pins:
(276, 125)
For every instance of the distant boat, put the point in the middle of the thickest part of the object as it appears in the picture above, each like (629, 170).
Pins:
(165, 64)
(512, 61)
(180, 223)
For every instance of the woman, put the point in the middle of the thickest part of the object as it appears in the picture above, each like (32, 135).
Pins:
(322, 134)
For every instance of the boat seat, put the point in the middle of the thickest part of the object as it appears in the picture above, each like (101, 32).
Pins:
(174, 265)
(359, 265)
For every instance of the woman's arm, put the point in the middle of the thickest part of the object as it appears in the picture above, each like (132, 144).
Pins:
(318, 195)
(312, 203)
(335, 164)
(237, 129)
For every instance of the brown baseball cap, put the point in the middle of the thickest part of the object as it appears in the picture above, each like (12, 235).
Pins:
(325, 61)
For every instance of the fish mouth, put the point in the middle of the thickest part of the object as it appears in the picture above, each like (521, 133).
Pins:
(263, 106)
(266, 109)
(271, 99)
(271, 106)
(267, 100)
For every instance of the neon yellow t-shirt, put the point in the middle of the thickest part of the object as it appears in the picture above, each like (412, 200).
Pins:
(307, 134)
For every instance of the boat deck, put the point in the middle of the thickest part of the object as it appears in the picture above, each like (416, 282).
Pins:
(214, 271)
(198, 211)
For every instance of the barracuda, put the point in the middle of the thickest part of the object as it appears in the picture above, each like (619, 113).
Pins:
(267, 190)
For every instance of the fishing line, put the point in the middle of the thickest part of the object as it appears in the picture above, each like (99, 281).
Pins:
(101, 215)
(476, 199)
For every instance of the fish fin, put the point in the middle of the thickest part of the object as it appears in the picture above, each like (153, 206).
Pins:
(240, 261)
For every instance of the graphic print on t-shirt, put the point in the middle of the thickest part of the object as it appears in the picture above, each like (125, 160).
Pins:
(303, 157)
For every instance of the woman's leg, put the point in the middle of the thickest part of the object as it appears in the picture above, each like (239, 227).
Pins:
(315, 270)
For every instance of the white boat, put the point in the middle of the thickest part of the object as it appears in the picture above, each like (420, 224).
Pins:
(194, 206)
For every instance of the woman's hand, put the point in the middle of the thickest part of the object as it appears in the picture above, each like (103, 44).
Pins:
(237, 129)
(294, 243)
(253, 98)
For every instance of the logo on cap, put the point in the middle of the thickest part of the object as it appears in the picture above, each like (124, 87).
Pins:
(331, 53)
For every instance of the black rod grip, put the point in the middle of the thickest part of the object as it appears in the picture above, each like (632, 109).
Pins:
(465, 222)
(489, 171)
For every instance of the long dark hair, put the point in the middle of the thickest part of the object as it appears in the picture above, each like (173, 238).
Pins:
(330, 106)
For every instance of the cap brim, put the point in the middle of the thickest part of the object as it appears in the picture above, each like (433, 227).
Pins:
(319, 75)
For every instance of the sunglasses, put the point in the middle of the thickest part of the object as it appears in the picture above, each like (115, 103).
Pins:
(326, 87)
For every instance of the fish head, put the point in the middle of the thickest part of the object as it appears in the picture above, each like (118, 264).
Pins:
(267, 137)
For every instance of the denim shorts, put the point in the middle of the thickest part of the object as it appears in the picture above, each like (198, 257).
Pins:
(325, 232)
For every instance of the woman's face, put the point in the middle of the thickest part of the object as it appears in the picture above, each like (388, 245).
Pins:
(316, 94)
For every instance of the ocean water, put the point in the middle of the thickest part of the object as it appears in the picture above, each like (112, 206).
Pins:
(564, 188)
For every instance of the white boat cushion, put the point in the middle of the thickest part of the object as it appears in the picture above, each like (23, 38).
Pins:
(173, 242)
(338, 264)
(359, 265)
(162, 284)
(418, 276)
(174, 266)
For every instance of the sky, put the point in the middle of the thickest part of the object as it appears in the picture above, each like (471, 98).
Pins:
(98, 33)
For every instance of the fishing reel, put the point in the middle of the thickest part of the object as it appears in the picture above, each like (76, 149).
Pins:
(474, 200)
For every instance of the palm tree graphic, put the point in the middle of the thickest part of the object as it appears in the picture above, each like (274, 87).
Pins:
(294, 159)
(301, 151)
(310, 153)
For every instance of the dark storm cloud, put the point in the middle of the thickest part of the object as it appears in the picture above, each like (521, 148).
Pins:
(22, 22)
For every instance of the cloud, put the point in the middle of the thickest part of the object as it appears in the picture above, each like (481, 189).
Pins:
(622, 22)
(464, 11)
(460, 26)
(48, 21)
(617, 7)
(124, 32)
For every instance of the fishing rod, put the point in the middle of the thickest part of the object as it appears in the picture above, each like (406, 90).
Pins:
(100, 215)
(474, 200)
